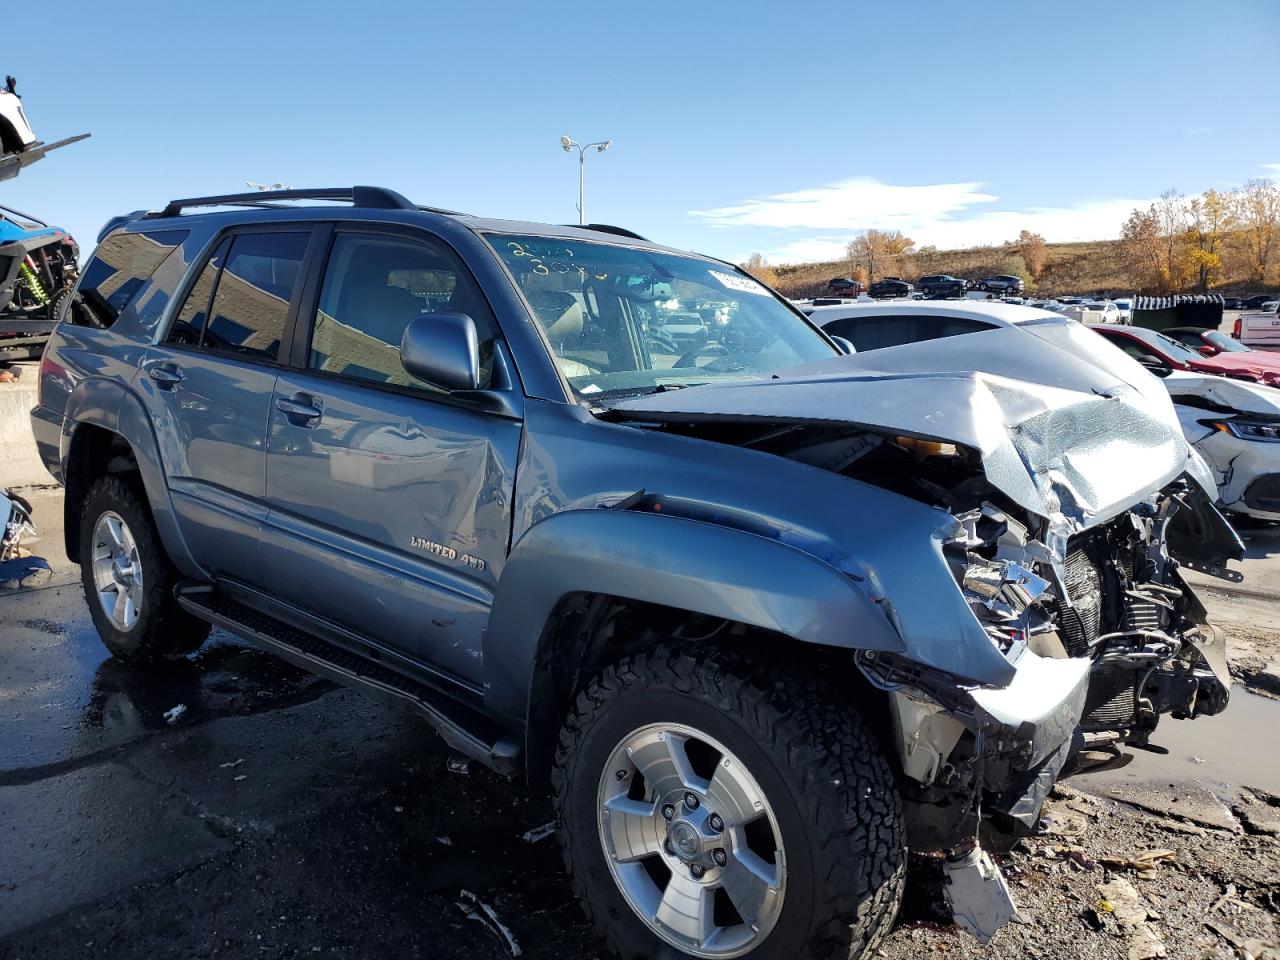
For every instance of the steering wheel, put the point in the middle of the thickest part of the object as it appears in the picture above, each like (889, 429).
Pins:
(703, 349)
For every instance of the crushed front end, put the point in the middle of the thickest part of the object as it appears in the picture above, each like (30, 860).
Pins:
(1104, 639)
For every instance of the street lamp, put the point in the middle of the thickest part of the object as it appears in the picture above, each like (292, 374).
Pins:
(571, 145)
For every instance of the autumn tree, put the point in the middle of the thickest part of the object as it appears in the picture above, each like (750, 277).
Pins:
(878, 252)
(1258, 213)
(759, 268)
(1034, 253)
(1210, 219)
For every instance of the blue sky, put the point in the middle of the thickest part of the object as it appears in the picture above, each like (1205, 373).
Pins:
(776, 127)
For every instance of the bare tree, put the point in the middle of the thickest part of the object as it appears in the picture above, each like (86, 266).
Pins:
(1141, 247)
(1258, 211)
(1034, 253)
(759, 268)
(1171, 217)
(878, 252)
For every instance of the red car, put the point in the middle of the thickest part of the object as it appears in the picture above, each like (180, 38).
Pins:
(1157, 350)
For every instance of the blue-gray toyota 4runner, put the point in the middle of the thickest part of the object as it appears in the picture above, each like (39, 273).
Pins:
(758, 615)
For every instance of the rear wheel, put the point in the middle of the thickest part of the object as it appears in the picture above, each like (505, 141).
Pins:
(128, 579)
(712, 808)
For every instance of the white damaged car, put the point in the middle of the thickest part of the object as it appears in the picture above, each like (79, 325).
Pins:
(1235, 426)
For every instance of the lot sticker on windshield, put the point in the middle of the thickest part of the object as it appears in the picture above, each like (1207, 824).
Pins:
(741, 284)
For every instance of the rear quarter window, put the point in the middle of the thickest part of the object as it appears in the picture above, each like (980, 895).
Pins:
(117, 271)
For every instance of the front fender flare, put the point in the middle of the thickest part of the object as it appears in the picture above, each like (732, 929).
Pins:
(686, 564)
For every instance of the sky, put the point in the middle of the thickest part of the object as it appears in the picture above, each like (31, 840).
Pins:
(737, 127)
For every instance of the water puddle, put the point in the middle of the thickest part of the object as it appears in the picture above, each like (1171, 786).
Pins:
(1235, 749)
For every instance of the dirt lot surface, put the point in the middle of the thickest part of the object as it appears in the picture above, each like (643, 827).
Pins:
(276, 815)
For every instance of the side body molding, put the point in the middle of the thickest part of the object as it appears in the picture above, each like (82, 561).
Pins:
(123, 414)
(688, 564)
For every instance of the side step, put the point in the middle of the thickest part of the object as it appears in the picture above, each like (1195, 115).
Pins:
(464, 729)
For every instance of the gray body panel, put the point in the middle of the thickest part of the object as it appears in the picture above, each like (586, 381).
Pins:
(325, 515)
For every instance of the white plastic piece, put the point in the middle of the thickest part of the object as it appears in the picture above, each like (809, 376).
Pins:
(926, 735)
(978, 894)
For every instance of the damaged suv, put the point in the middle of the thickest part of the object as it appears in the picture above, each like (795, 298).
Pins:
(758, 615)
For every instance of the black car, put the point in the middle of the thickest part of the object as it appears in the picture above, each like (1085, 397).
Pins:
(943, 285)
(1255, 303)
(1232, 303)
(844, 285)
(889, 288)
(1003, 284)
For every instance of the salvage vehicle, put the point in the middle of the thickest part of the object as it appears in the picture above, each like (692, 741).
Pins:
(942, 285)
(889, 288)
(1261, 330)
(757, 614)
(1155, 350)
(1235, 426)
(1004, 284)
(19, 147)
(38, 266)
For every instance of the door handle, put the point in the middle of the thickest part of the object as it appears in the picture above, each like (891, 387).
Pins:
(166, 374)
(301, 408)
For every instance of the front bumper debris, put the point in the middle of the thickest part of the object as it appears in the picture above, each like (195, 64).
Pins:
(978, 894)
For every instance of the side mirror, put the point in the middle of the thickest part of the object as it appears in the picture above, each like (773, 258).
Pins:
(1209, 350)
(845, 346)
(441, 349)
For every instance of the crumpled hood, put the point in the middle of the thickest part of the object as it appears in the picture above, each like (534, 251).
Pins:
(1067, 426)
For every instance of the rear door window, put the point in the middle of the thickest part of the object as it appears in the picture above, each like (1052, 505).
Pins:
(119, 269)
(252, 278)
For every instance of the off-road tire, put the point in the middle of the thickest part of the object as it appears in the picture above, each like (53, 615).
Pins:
(838, 810)
(164, 630)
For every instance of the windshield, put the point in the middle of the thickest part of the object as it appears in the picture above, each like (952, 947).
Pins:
(1179, 351)
(1225, 343)
(622, 320)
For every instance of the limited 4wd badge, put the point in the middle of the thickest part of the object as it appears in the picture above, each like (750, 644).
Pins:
(446, 553)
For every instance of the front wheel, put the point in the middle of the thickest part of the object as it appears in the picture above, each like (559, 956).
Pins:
(711, 807)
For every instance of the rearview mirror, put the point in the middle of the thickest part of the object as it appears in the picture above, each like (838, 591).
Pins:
(846, 346)
(441, 349)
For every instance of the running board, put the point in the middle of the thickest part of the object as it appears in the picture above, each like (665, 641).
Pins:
(462, 728)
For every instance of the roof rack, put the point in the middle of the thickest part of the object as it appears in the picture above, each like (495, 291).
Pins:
(378, 198)
(609, 228)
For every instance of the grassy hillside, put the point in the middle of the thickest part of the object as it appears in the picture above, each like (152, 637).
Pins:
(1091, 267)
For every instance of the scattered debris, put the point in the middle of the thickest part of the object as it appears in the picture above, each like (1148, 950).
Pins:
(171, 716)
(444, 841)
(239, 777)
(539, 833)
(459, 765)
(477, 909)
(1249, 947)
(1145, 863)
(232, 763)
(1120, 899)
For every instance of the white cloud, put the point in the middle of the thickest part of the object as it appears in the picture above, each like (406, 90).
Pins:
(931, 214)
(1273, 167)
(838, 205)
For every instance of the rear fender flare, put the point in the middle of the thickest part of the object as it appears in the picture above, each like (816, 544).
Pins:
(685, 564)
(103, 403)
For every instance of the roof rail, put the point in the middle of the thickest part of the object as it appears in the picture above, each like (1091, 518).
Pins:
(378, 198)
(609, 228)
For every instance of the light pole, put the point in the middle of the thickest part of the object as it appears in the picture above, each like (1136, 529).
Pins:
(571, 145)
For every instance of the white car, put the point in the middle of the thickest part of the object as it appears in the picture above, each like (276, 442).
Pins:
(889, 323)
(1125, 309)
(15, 132)
(1235, 426)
